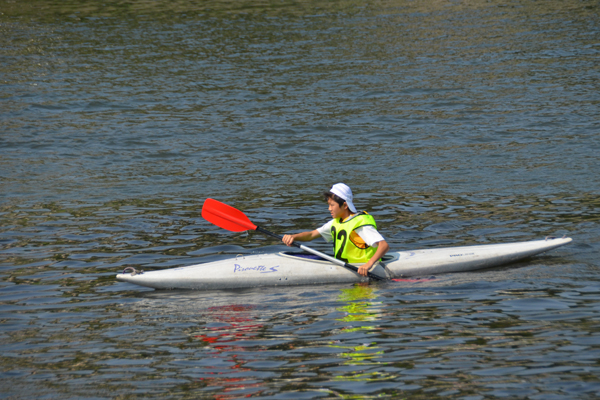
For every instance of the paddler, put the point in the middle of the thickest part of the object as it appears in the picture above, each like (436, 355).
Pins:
(354, 234)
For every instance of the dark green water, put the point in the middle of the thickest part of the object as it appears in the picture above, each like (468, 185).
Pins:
(455, 123)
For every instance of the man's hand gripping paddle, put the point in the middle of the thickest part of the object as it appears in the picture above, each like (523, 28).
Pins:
(234, 220)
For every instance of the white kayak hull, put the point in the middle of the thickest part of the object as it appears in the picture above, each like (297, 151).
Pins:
(287, 269)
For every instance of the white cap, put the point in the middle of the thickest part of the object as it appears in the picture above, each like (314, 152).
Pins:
(343, 191)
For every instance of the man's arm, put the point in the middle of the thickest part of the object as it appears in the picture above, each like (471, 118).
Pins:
(300, 237)
(382, 248)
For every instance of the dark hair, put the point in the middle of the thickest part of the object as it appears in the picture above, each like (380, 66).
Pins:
(334, 197)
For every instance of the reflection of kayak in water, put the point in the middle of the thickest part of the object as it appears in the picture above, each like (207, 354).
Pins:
(289, 268)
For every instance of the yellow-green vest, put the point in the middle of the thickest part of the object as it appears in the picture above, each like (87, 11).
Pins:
(346, 249)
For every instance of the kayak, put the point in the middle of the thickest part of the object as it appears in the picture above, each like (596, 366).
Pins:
(300, 268)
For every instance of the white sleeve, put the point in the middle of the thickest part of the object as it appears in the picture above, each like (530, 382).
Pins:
(370, 235)
(325, 231)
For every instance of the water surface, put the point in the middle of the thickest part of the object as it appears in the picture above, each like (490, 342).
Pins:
(455, 123)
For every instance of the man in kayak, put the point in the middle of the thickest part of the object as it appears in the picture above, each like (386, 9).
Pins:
(354, 234)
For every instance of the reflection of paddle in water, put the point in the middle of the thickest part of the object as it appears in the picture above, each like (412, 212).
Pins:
(228, 355)
(237, 324)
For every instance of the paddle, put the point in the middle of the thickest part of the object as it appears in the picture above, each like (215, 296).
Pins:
(234, 220)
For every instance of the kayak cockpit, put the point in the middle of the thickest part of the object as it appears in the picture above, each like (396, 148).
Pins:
(303, 255)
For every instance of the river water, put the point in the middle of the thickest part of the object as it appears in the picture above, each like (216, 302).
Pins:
(455, 123)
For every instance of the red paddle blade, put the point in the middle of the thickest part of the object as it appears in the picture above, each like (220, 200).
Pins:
(226, 216)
